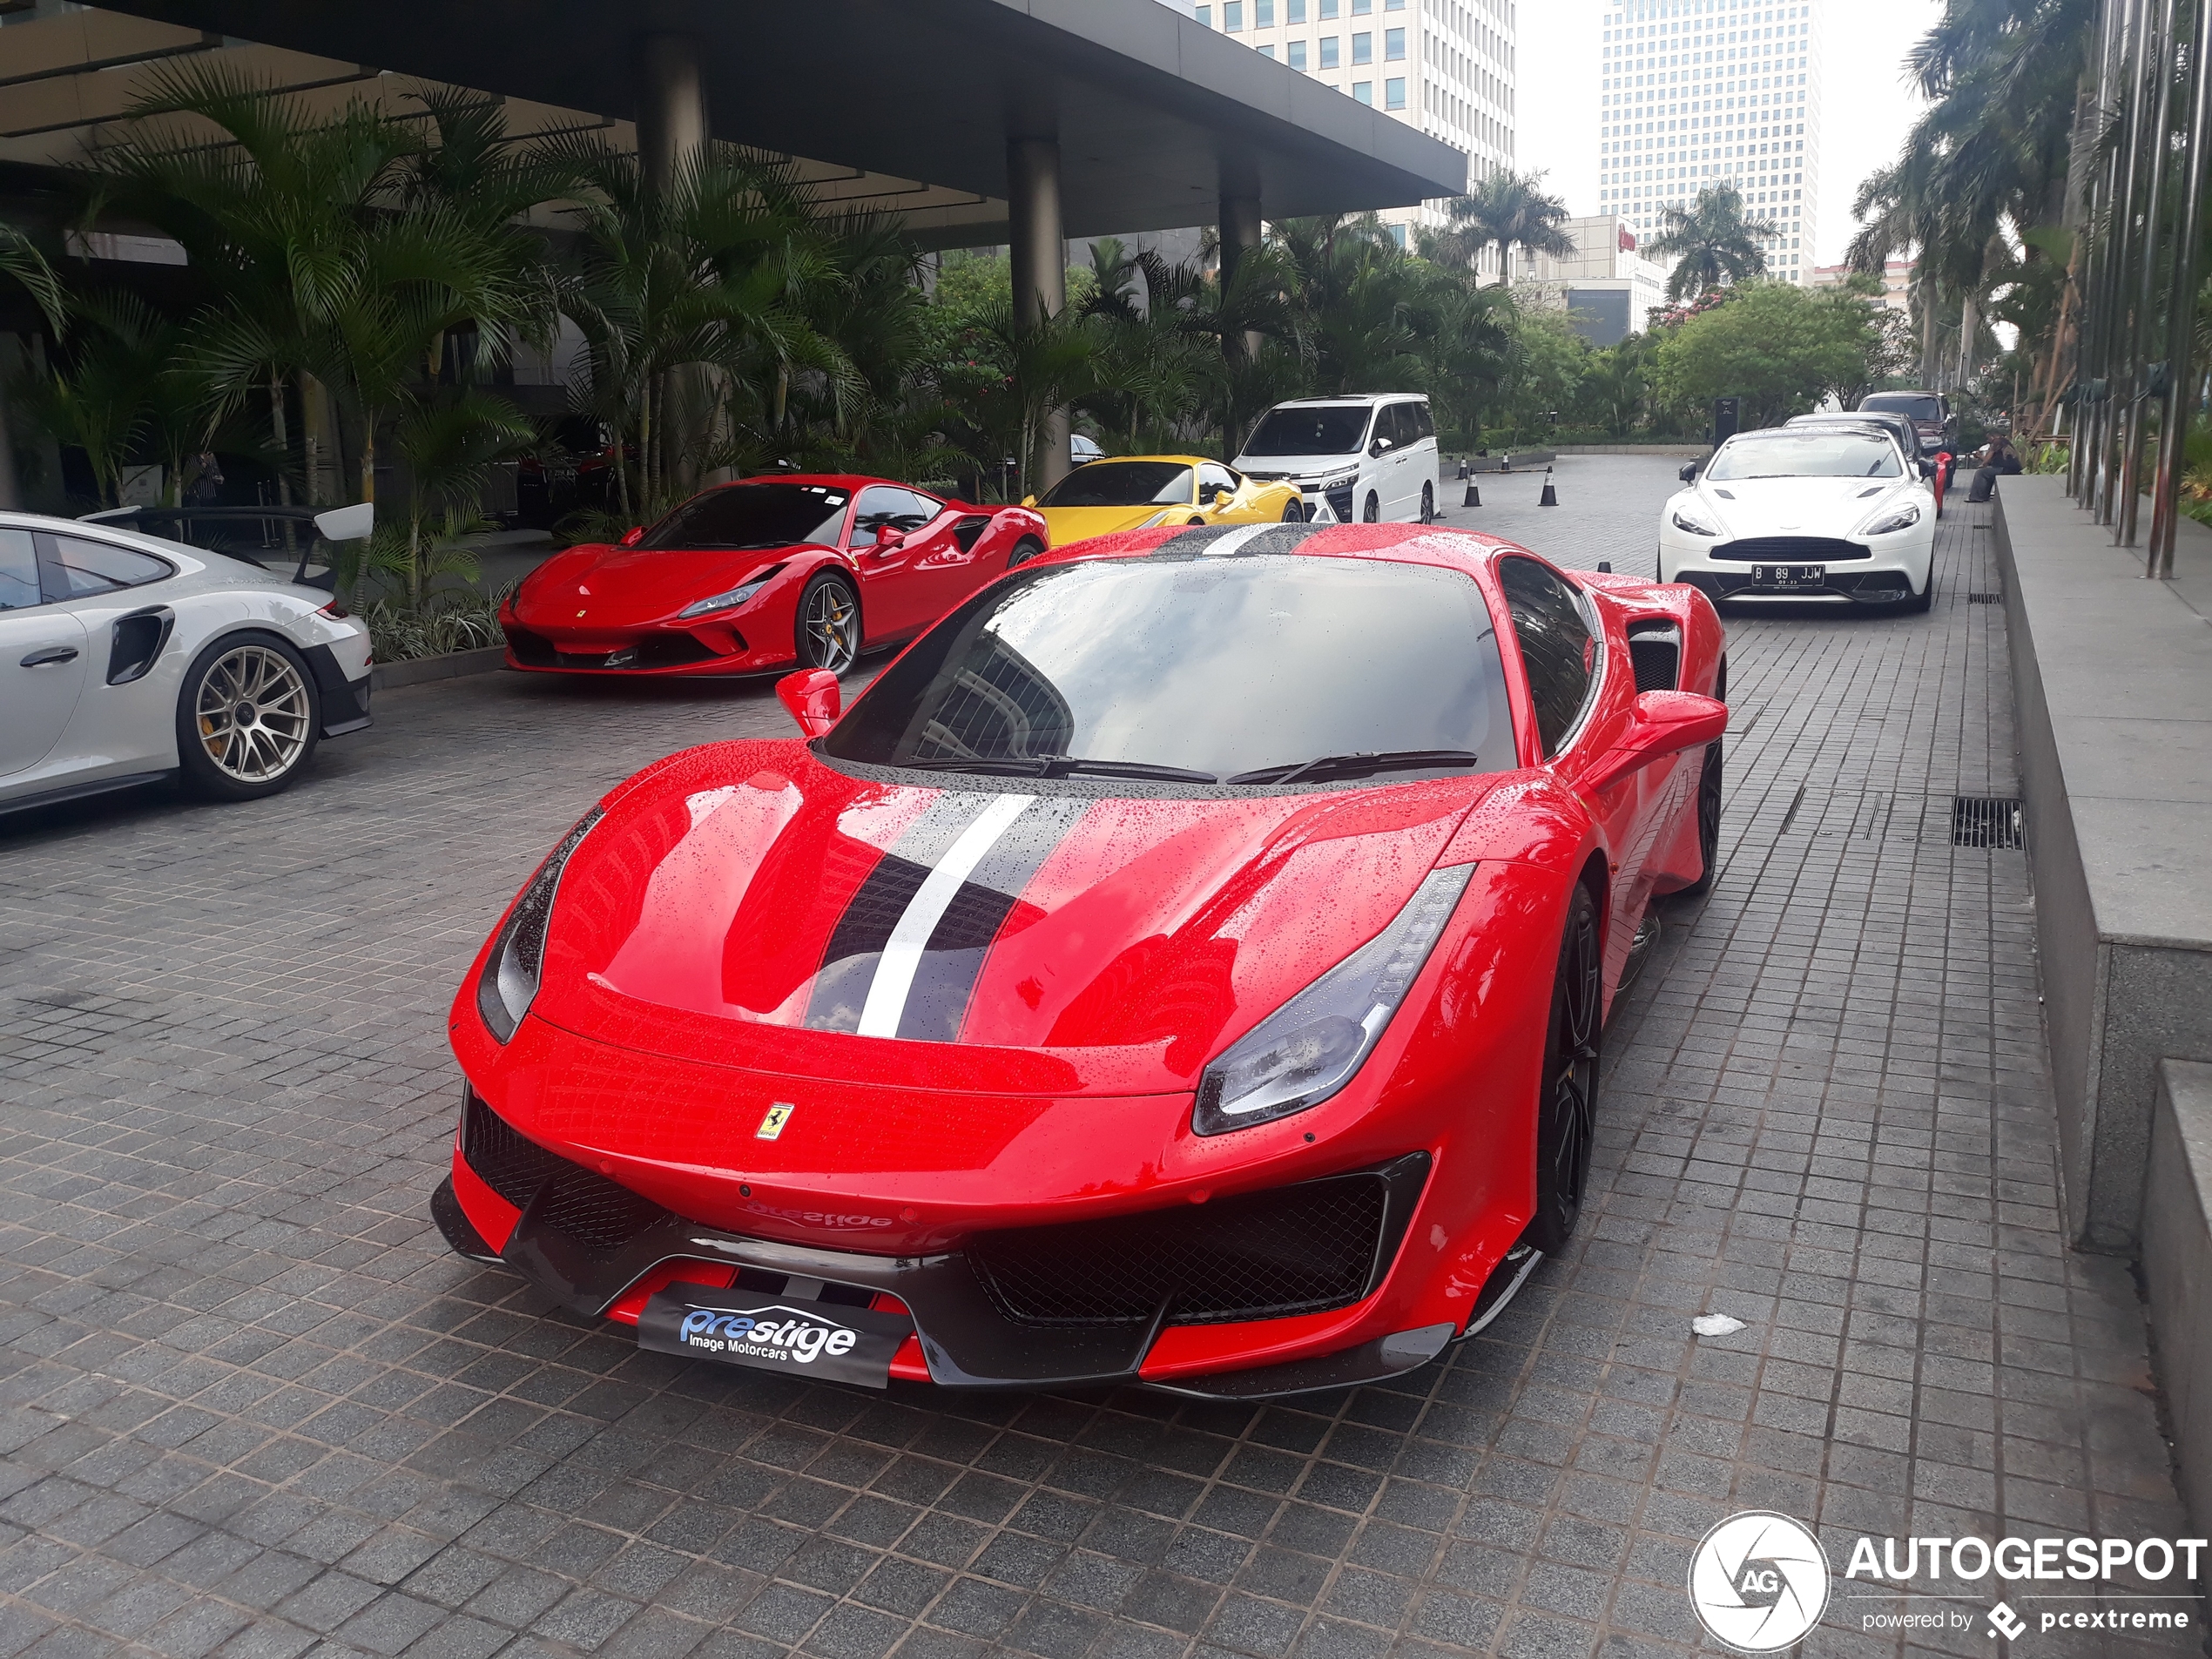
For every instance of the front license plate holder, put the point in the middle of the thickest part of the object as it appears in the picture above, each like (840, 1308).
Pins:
(792, 1335)
(1784, 578)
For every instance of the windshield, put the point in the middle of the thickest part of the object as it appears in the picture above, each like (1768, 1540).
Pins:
(752, 516)
(1122, 483)
(1329, 429)
(1208, 664)
(1914, 406)
(1806, 454)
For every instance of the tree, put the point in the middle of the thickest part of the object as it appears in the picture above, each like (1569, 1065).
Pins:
(120, 391)
(1709, 241)
(1779, 348)
(1504, 209)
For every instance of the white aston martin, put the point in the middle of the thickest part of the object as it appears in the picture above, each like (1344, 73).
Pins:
(1831, 514)
(126, 658)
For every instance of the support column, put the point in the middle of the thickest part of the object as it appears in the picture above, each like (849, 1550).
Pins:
(1240, 234)
(672, 133)
(671, 104)
(1038, 244)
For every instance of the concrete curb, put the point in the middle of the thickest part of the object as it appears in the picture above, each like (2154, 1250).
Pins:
(387, 677)
(1683, 451)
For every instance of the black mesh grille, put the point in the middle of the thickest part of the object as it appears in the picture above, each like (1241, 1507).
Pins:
(1658, 663)
(600, 1215)
(670, 651)
(1297, 1250)
(534, 648)
(1807, 549)
(1340, 502)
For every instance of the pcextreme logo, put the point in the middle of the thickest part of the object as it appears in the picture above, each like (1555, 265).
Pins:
(1759, 1582)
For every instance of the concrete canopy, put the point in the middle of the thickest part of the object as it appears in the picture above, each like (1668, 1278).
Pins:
(1154, 115)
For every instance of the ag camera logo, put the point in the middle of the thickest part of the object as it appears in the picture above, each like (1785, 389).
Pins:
(1758, 1582)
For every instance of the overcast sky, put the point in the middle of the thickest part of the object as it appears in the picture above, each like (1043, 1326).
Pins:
(1867, 107)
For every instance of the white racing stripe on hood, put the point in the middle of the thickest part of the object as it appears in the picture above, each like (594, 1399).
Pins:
(894, 970)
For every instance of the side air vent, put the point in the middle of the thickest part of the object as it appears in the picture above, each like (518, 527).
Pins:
(1656, 649)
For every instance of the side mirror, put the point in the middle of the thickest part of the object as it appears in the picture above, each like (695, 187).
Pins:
(1379, 445)
(813, 697)
(1666, 723)
(1028, 501)
(631, 537)
(1222, 498)
(1688, 473)
(888, 535)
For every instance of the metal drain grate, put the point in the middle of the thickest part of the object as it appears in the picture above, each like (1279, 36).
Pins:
(1987, 821)
(1984, 598)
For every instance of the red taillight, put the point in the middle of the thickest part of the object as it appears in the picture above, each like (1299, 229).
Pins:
(335, 610)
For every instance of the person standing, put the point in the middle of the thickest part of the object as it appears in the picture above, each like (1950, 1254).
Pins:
(203, 481)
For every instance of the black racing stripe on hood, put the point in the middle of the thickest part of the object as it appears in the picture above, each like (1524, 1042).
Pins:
(944, 982)
(1254, 538)
(856, 943)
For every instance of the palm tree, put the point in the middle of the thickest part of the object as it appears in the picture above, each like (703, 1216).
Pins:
(1709, 241)
(20, 259)
(121, 392)
(322, 273)
(1506, 209)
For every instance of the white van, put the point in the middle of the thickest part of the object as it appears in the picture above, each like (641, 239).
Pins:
(1368, 458)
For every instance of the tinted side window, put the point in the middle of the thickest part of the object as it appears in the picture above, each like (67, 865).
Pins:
(1424, 427)
(18, 570)
(902, 510)
(1212, 477)
(1390, 423)
(1557, 645)
(87, 568)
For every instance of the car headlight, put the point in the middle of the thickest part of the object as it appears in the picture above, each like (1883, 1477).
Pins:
(1686, 519)
(1309, 1048)
(509, 983)
(733, 598)
(1888, 523)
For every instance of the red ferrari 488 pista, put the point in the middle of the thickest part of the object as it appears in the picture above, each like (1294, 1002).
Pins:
(1185, 964)
(808, 570)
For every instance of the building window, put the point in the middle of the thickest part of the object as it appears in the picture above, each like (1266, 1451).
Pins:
(1328, 9)
(1361, 8)
(1294, 11)
(1204, 15)
(1298, 56)
(1363, 49)
(1363, 91)
(1232, 17)
(1262, 14)
(1394, 95)
(1268, 51)
(1328, 51)
(1395, 46)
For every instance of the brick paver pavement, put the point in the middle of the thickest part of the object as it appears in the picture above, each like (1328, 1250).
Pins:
(249, 1405)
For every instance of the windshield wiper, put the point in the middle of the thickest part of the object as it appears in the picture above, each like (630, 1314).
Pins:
(1060, 766)
(1352, 765)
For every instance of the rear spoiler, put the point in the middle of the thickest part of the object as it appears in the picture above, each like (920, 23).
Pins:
(334, 524)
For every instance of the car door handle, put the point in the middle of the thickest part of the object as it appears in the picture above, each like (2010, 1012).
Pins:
(46, 656)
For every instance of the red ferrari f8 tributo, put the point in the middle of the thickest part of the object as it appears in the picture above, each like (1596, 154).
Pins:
(1186, 964)
(810, 570)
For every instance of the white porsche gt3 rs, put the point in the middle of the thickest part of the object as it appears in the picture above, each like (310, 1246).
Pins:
(1828, 515)
(126, 658)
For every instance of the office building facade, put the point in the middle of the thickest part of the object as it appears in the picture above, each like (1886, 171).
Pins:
(1438, 65)
(1694, 93)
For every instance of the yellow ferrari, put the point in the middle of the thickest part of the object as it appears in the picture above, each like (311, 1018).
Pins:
(1130, 492)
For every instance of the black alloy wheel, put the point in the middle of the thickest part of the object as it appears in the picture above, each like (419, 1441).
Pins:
(1025, 549)
(1708, 819)
(829, 624)
(1566, 1102)
(1372, 513)
(1428, 504)
(1295, 513)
